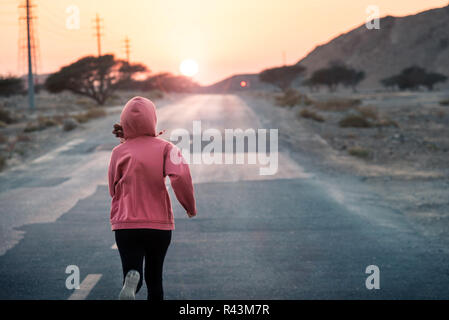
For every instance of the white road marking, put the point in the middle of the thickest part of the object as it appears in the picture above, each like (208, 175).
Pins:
(85, 287)
(52, 154)
(114, 246)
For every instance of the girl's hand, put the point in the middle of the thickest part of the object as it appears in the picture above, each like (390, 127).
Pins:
(118, 132)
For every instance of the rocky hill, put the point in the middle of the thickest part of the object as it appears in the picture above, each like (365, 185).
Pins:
(421, 39)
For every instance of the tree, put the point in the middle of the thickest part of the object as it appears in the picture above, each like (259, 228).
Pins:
(128, 71)
(168, 82)
(412, 78)
(10, 86)
(93, 77)
(353, 78)
(432, 79)
(336, 73)
(282, 77)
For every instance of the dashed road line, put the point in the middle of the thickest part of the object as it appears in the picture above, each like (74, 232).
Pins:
(85, 287)
(52, 154)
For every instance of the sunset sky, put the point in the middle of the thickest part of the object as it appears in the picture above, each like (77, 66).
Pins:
(224, 37)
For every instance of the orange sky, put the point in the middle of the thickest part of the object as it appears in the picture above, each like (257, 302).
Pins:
(225, 37)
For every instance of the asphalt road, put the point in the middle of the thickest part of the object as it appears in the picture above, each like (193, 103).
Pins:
(298, 234)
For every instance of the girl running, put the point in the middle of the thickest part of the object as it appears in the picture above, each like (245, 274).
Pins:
(141, 213)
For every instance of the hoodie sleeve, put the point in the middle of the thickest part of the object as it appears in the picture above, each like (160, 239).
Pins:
(176, 168)
(112, 175)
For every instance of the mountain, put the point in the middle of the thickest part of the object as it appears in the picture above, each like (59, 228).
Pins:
(421, 39)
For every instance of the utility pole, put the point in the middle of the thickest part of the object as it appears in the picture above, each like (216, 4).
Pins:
(31, 56)
(127, 48)
(98, 33)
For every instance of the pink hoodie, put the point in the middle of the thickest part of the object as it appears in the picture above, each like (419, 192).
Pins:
(138, 169)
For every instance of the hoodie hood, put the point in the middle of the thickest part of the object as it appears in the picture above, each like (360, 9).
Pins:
(138, 118)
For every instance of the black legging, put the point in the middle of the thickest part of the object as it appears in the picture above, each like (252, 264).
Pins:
(135, 244)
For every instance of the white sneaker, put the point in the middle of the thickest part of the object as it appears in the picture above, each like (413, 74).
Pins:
(129, 287)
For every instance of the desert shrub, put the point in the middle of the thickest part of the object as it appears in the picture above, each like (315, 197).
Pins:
(47, 122)
(305, 113)
(2, 162)
(337, 104)
(10, 86)
(444, 102)
(81, 118)
(84, 102)
(387, 122)
(432, 147)
(32, 126)
(359, 152)
(69, 124)
(291, 98)
(368, 112)
(355, 121)
(59, 119)
(3, 138)
(23, 138)
(41, 124)
(5, 116)
(155, 94)
(95, 113)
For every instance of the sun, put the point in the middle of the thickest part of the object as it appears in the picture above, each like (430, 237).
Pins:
(188, 67)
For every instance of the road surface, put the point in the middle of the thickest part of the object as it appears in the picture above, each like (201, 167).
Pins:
(298, 234)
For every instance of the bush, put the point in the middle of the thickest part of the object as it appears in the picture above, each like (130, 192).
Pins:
(41, 124)
(311, 115)
(359, 152)
(31, 127)
(5, 116)
(69, 124)
(3, 138)
(47, 122)
(2, 162)
(10, 86)
(81, 118)
(386, 122)
(155, 94)
(355, 121)
(337, 104)
(291, 98)
(368, 112)
(95, 113)
(23, 138)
